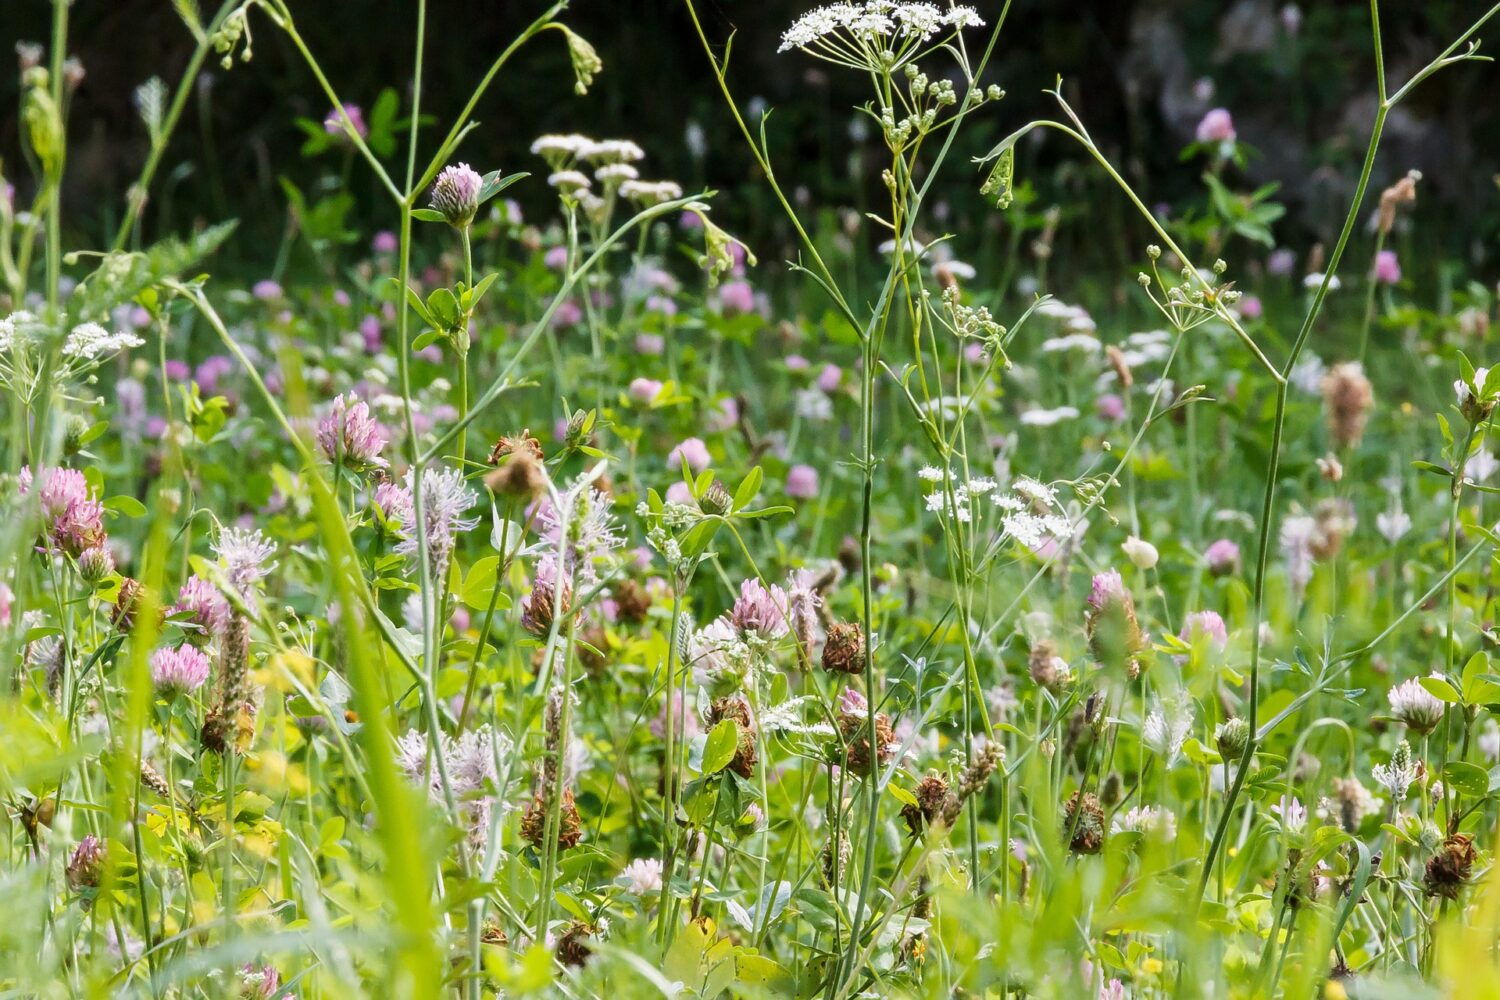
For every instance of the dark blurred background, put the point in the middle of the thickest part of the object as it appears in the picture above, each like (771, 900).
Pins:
(1298, 81)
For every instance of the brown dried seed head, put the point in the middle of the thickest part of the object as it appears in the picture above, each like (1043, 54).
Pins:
(844, 650)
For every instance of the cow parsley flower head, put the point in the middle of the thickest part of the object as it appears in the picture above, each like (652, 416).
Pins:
(874, 34)
(92, 342)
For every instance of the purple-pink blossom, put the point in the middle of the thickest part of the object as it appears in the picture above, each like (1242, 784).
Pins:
(644, 390)
(334, 123)
(1205, 625)
(736, 298)
(1223, 557)
(1387, 267)
(350, 436)
(802, 482)
(1106, 588)
(760, 609)
(693, 451)
(178, 671)
(1216, 126)
(203, 605)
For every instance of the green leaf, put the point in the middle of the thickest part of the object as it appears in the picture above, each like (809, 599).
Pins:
(1470, 779)
(493, 184)
(749, 486)
(426, 340)
(1476, 689)
(428, 215)
(126, 505)
(1441, 690)
(479, 585)
(723, 743)
(443, 305)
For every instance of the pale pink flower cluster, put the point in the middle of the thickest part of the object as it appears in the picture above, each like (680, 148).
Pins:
(349, 435)
(75, 520)
(179, 671)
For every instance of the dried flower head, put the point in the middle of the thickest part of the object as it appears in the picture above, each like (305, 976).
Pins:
(844, 649)
(1348, 398)
(1451, 867)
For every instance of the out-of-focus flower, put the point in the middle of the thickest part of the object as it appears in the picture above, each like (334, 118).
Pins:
(802, 482)
(334, 123)
(644, 390)
(1216, 126)
(693, 451)
(1387, 267)
(1223, 557)
(643, 876)
(1141, 553)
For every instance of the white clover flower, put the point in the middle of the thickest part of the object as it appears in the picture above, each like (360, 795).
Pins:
(1292, 813)
(1415, 706)
(1167, 727)
(642, 876)
(1150, 820)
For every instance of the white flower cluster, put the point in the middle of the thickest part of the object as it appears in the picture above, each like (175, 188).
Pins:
(1030, 513)
(1150, 820)
(24, 338)
(863, 22)
(611, 160)
(1166, 729)
(560, 149)
(787, 718)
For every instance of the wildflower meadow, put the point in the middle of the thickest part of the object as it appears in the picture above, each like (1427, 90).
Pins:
(1010, 575)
